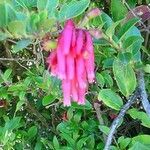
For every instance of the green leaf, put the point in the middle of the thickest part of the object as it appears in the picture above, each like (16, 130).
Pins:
(118, 10)
(3, 36)
(124, 142)
(125, 58)
(108, 62)
(32, 132)
(3, 15)
(147, 68)
(100, 79)
(48, 100)
(73, 9)
(139, 146)
(81, 142)
(132, 3)
(77, 117)
(125, 77)
(19, 105)
(70, 113)
(69, 139)
(108, 78)
(104, 129)
(101, 42)
(130, 41)
(56, 143)
(110, 98)
(42, 4)
(20, 45)
(106, 21)
(91, 142)
(87, 105)
(126, 27)
(111, 30)
(17, 28)
(7, 74)
(142, 116)
(52, 7)
(144, 139)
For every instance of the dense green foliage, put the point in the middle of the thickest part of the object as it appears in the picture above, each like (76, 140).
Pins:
(32, 115)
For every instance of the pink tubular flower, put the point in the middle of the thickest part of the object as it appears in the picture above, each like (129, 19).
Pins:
(79, 41)
(73, 63)
(67, 36)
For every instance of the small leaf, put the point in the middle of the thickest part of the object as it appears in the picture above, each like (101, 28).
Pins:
(3, 36)
(104, 129)
(77, 117)
(52, 7)
(142, 116)
(147, 68)
(20, 45)
(125, 77)
(7, 74)
(111, 30)
(42, 4)
(130, 41)
(81, 142)
(125, 58)
(73, 9)
(118, 9)
(110, 98)
(48, 100)
(124, 142)
(87, 105)
(100, 79)
(139, 146)
(69, 139)
(55, 143)
(70, 113)
(108, 78)
(144, 139)
(17, 28)
(126, 27)
(3, 15)
(32, 132)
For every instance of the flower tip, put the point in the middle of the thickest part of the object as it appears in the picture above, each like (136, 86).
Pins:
(94, 13)
(69, 23)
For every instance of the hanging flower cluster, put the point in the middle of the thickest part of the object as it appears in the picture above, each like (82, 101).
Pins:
(73, 62)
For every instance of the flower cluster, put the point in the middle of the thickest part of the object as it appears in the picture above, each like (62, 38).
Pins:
(73, 62)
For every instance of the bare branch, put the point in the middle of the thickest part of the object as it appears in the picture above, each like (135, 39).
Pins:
(143, 94)
(116, 121)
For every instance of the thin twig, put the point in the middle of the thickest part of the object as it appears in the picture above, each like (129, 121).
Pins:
(143, 94)
(99, 117)
(40, 50)
(16, 59)
(116, 121)
(133, 13)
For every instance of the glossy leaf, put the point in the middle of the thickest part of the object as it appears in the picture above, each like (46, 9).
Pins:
(48, 100)
(125, 77)
(32, 132)
(110, 98)
(118, 9)
(3, 15)
(55, 142)
(20, 45)
(126, 27)
(142, 116)
(17, 28)
(73, 9)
